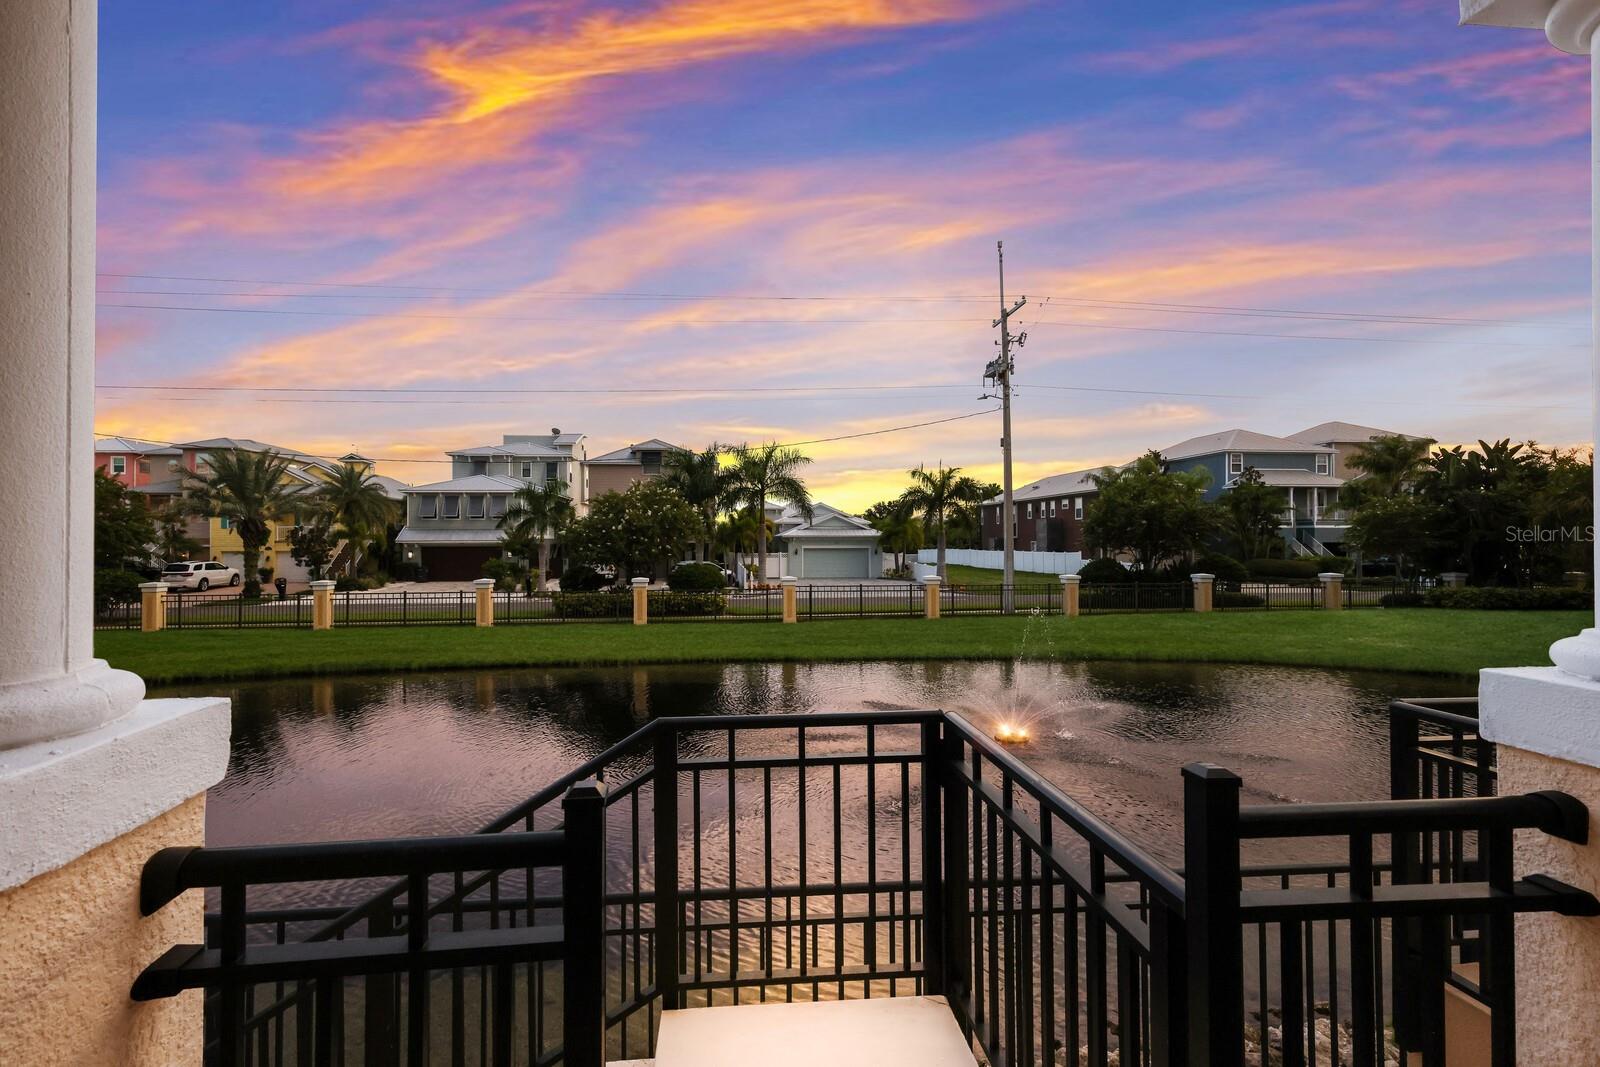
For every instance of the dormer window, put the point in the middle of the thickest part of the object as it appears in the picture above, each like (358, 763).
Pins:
(427, 507)
(475, 505)
(480, 466)
(452, 506)
(1235, 462)
(1322, 464)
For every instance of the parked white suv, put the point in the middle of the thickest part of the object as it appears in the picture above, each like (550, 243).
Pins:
(200, 576)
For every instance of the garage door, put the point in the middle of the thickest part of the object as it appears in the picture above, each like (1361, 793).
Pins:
(457, 564)
(834, 563)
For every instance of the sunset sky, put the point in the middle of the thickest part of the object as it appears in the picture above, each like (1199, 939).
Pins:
(534, 202)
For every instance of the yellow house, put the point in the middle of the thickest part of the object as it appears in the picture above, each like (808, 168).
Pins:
(304, 474)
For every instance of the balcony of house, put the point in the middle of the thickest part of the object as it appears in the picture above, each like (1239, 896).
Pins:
(885, 888)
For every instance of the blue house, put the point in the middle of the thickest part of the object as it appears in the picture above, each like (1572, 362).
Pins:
(1313, 523)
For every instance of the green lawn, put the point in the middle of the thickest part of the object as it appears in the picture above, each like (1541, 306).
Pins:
(992, 576)
(1434, 641)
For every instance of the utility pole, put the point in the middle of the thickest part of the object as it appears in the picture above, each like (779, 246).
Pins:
(999, 371)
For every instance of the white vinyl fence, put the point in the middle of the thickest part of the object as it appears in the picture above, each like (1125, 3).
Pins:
(1026, 562)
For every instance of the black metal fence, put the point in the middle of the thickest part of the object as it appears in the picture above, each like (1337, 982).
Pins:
(752, 858)
(1136, 596)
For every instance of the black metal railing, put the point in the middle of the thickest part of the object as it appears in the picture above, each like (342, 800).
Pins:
(864, 854)
(201, 611)
(1135, 596)
(964, 599)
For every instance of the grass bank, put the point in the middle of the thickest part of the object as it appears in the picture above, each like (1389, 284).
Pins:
(1432, 641)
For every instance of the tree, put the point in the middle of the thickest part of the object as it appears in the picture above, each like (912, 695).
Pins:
(768, 472)
(1404, 526)
(964, 524)
(702, 480)
(536, 515)
(247, 489)
(123, 534)
(900, 529)
(356, 502)
(312, 545)
(737, 535)
(936, 494)
(172, 541)
(1252, 512)
(635, 530)
(1387, 464)
(1150, 511)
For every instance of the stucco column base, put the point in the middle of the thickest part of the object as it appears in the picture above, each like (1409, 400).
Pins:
(65, 704)
(1546, 724)
(72, 942)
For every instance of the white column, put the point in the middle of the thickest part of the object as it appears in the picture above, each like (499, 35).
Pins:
(83, 758)
(50, 682)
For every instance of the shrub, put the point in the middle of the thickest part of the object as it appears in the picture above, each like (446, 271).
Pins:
(1224, 599)
(1284, 568)
(687, 604)
(1227, 569)
(113, 588)
(1401, 600)
(265, 574)
(696, 578)
(406, 571)
(355, 585)
(581, 578)
(504, 573)
(1495, 598)
(1098, 571)
(592, 605)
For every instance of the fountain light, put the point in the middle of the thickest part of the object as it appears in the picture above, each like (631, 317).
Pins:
(1010, 733)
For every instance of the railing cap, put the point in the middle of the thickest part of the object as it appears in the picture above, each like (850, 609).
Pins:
(324, 583)
(788, 579)
(930, 579)
(1331, 576)
(1202, 577)
(1069, 579)
(483, 583)
(638, 582)
(151, 587)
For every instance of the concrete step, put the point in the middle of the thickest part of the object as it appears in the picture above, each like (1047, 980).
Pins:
(887, 1032)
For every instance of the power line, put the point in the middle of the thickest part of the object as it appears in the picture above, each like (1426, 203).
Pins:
(1300, 336)
(171, 386)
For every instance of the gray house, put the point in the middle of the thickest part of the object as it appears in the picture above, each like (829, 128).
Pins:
(832, 544)
(451, 527)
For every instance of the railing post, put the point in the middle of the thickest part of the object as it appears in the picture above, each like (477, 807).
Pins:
(1169, 987)
(1215, 972)
(1204, 590)
(935, 978)
(957, 930)
(1405, 855)
(322, 605)
(152, 606)
(1069, 594)
(583, 922)
(1332, 590)
(381, 1033)
(641, 601)
(930, 596)
(483, 592)
(665, 829)
(791, 593)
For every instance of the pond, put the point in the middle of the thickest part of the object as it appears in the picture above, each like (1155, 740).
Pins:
(387, 755)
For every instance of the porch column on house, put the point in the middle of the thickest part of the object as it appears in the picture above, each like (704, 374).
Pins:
(93, 778)
(1546, 720)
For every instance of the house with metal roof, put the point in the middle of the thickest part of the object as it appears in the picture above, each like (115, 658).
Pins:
(1048, 514)
(613, 472)
(829, 544)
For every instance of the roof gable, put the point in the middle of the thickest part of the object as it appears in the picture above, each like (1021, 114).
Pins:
(1235, 440)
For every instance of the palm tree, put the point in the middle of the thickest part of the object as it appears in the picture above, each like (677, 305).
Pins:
(938, 494)
(1388, 464)
(739, 533)
(901, 529)
(172, 535)
(536, 514)
(703, 481)
(248, 490)
(768, 472)
(357, 503)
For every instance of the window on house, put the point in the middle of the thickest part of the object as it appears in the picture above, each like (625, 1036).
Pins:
(527, 468)
(480, 466)
(427, 507)
(144, 466)
(550, 471)
(1030, 510)
(1052, 509)
(1235, 462)
(119, 464)
(225, 522)
(1322, 464)
(475, 506)
(497, 506)
(1077, 507)
(452, 506)
(651, 462)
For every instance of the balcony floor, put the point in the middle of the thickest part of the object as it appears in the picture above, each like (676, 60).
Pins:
(886, 1032)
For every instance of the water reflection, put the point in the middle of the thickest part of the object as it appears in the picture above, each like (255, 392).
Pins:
(444, 752)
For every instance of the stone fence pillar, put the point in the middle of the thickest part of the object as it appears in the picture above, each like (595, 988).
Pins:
(930, 596)
(791, 594)
(322, 605)
(483, 591)
(1069, 594)
(641, 601)
(1204, 591)
(152, 606)
(1332, 590)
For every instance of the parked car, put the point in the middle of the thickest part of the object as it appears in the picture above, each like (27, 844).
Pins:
(201, 576)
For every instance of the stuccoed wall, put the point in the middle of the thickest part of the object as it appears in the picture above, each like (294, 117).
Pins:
(70, 950)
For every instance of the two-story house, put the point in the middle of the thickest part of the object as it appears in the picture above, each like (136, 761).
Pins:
(452, 527)
(1313, 523)
(613, 472)
(1047, 514)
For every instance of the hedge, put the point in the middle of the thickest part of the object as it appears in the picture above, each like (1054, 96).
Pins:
(1104, 570)
(1237, 600)
(1285, 568)
(1498, 598)
(592, 605)
(697, 578)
